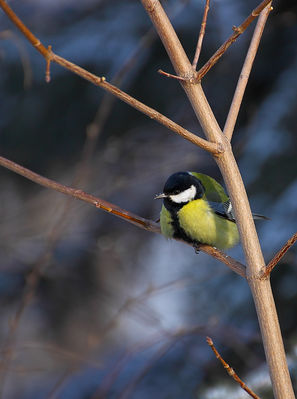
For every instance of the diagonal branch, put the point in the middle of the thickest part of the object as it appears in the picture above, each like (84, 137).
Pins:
(230, 370)
(81, 195)
(101, 81)
(197, 77)
(201, 36)
(274, 261)
(245, 73)
(224, 47)
(129, 217)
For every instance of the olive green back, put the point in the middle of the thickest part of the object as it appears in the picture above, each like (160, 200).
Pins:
(213, 190)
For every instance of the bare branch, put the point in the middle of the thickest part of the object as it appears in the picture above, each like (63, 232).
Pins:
(201, 35)
(101, 81)
(261, 290)
(79, 194)
(274, 261)
(230, 370)
(245, 73)
(224, 47)
(234, 265)
(130, 217)
(221, 148)
(170, 75)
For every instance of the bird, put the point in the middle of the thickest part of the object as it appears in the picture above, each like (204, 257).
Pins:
(196, 209)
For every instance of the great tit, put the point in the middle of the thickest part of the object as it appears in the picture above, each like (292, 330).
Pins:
(197, 209)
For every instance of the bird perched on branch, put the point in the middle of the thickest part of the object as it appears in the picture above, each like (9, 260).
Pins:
(197, 209)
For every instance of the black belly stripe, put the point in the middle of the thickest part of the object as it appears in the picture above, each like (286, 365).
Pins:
(179, 232)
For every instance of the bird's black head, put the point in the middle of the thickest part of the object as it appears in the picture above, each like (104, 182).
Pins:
(181, 188)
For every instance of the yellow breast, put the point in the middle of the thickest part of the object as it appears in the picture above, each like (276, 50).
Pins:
(201, 224)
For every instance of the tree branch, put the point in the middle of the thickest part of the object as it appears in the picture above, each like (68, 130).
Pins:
(196, 77)
(230, 370)
(261, 289)
(277, 257)
(221, 148)
(224, 47)
(245, 73)
(101, 81)
(130, 217)
(79, 194)
(201, 36)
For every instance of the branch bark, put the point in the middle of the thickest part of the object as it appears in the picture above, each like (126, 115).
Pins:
(238, 30)
(245, 73)
(230, 370)
(278, 256)
(261, 289)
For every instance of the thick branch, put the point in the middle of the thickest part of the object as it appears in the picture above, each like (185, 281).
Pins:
(245, 73)
(261, 290)
(184, 69)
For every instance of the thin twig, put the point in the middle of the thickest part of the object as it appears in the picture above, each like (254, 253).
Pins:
(230, 370)
(224, 47)
(274, 261)
(201, 36)
(49, 56)
(245, 73)
(197, 77)
(79, 194)
(170, 75)
(130, 217)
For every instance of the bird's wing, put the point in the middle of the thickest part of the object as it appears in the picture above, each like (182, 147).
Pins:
(218, 199)
(223, 209)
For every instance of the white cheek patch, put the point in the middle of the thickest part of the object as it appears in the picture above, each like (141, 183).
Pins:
(184, 196)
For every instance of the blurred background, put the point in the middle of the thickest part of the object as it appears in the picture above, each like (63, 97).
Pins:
(92, 307)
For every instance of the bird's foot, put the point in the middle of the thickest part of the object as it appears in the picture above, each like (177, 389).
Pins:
(196, 247)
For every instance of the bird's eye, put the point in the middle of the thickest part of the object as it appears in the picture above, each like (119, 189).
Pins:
(175, 192)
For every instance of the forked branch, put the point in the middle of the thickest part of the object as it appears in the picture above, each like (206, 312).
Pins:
(261, 289)
(238, 30)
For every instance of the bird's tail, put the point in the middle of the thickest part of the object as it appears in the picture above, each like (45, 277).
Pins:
(259, 217)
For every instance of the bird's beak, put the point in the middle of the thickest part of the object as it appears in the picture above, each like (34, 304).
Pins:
(160, 196)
